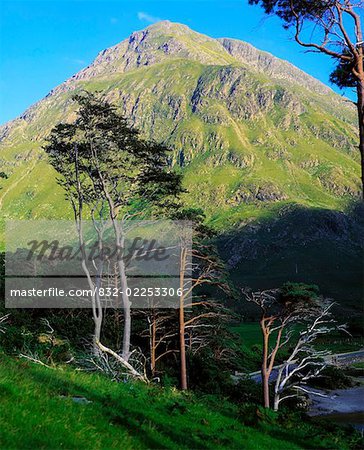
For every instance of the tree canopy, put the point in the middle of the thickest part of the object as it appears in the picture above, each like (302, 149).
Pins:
(334, 28)
(100, 153)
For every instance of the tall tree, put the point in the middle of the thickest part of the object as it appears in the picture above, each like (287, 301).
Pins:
(108, 171)
(336, 32)
(199, 266)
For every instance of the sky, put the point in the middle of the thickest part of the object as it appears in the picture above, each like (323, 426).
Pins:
(44, 42)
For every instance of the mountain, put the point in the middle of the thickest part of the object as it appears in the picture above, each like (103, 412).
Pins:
(254, 136)
(250, 131)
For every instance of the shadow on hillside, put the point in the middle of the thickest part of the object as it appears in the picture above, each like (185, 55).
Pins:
(157, 419)
(314, 246)
(126, 408)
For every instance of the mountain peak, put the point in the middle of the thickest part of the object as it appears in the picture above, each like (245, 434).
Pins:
(154, 44)
(166, 40)
(167, 25)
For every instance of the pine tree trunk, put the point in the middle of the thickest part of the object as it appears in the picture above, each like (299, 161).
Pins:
(264, 371)
(265, 380)
(97, 332)
(182, 349)
(153, 345)
(124, 288)
(182, 330)
(360, 105)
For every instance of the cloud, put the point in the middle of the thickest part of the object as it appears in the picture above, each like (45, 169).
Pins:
(78, 62)
(145, 17)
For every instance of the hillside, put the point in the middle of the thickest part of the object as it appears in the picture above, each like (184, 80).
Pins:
(45, 408)
(250, 131)
(266, 150)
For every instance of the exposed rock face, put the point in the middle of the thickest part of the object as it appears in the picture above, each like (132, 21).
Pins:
(271, 66)
(153, 45)
(266, 192)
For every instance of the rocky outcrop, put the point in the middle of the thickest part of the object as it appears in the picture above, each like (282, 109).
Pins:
(271, 66)
(252, 193)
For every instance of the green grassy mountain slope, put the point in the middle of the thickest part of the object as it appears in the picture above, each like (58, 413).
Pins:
(250, 131)
(253, 135)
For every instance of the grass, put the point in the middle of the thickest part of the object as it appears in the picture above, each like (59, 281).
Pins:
(38, 412)
(251, 336)
(338, 343)
(249, 332)
(358, 365)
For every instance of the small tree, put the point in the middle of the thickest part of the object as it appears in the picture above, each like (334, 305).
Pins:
(304, 361)
(280, 308)
(161, 333)
(337, 32)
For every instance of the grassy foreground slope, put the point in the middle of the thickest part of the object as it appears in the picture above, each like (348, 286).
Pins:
(38, 411)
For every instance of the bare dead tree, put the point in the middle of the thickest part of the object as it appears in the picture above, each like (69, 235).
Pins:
(199, 266)
(161, 333)
(3, 321)
(267, 300)
(304, 361)
(277, 314)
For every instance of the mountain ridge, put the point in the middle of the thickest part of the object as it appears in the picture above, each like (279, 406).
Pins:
(234, 122)
(225, 41)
